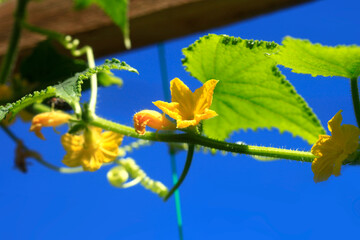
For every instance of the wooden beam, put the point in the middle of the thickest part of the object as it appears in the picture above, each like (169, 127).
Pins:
(151, 21)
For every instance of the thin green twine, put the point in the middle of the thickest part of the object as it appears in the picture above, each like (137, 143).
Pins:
(164, 79)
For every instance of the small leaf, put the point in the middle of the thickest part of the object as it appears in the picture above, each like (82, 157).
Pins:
(69, 90)
(315, 59)
(25, 101)
(252, 93)
(117, 10)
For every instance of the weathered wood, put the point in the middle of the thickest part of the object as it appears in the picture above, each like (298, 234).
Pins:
(151, 21)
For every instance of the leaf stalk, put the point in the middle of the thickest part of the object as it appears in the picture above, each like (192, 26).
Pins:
(191, 138)
(355, 98)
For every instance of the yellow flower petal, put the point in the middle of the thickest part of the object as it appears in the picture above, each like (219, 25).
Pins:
(203, 96)
(48, 119)
(181, 94)
(91, 149)
(186, 123)
(334, 123)
(188, 108)
(171, 109)
(331, 151)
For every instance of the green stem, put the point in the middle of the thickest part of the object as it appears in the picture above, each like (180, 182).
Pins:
(189, 158)
(58, 169)
(206, 142)
(93, 82)
(49, 33)
(10, 56)
(355, 98)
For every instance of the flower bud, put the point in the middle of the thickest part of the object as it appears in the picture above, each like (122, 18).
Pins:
(152, 119)
(117, 176)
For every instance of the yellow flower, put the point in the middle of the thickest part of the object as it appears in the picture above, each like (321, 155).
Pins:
(331, 151)
(152, 119)
(186, 107)
(91, 149)
(48, 119)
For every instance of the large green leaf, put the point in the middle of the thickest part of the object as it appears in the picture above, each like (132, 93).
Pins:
(252, 93)
(304, 57)
(117, 10)
(69, 90)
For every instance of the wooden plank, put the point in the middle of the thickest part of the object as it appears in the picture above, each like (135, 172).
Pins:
(151, 21)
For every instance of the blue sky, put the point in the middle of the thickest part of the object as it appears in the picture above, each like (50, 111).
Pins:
(233, 197)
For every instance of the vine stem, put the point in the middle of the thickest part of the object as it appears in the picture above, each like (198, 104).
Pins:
(355, 98)
(189, 158)
(37, 157)
(10, 56)
(93, 82)
(190, 138)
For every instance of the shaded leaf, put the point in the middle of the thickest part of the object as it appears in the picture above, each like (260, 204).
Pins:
(117, 10)
(315, 59)
(46, 66)
(252, 93)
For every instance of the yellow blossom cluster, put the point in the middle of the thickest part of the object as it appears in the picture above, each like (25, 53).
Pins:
(89, 150)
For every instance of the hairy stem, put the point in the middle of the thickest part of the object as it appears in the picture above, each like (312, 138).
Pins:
(190, 138)
(189, 158)
(93, 82)
(355, 98)
(10, 56)
(46, 32)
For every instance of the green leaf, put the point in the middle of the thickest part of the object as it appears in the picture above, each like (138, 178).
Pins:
(107, 78)
(37, 96)
(45, 66)
(69, 90)
(315, 59)
(252, 93)
(117, 10)
(81, 4)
